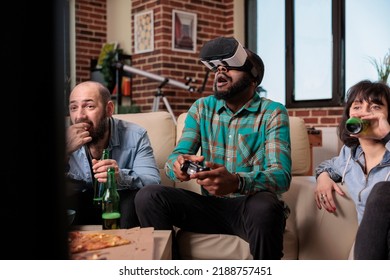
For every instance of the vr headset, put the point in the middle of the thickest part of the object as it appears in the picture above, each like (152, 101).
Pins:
(227, 52)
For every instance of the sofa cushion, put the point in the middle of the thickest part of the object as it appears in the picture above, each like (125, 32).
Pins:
(227, 247)
(300, 147)
(199, 246)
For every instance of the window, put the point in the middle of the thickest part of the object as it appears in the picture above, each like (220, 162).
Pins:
(313, 50)
(271, 45)
(367, 33)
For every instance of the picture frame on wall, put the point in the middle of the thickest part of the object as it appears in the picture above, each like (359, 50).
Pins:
(143, 32)
(184, 26)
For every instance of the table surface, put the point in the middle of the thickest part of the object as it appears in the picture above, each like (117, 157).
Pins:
(146, 244)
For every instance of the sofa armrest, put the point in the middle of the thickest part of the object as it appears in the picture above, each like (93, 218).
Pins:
(321, 235)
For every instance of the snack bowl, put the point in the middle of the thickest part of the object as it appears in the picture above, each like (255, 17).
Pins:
(70, 214)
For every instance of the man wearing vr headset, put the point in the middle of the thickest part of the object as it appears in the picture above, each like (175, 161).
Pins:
(245, 141)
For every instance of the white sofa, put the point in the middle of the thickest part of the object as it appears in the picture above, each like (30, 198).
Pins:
(310, 233)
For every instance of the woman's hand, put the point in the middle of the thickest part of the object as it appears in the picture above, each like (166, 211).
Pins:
(379, 126)
(323, 193)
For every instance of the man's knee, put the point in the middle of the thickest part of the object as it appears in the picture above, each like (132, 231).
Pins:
(380, 191)
(144, 193)
(265, 209)
(382, 188)
(379, 195)
(147, 195)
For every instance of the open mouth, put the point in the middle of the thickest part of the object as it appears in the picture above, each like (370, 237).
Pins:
(222, 80)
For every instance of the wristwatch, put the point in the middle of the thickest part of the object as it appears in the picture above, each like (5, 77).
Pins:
(240, 183)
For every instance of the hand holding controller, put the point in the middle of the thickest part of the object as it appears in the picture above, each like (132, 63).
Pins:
(191, 167)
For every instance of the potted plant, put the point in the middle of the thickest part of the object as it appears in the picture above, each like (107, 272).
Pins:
(382, 67)
(108, 67)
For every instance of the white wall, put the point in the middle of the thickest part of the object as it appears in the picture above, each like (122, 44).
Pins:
(330, 146)
(119, 23)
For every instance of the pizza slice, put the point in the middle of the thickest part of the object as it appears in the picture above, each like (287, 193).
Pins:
(81, 242)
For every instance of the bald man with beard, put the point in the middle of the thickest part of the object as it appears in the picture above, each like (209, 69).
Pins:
(92, 130)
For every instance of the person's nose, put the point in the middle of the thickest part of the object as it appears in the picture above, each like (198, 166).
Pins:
(221, 68)
(367, 108)
(80, 114)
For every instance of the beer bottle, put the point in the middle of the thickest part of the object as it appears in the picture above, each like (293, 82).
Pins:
(110, 202)
(355, 125)
(100, 187)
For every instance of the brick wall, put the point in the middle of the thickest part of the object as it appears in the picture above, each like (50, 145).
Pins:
(319, 117)
(214, 18)
(91, 34)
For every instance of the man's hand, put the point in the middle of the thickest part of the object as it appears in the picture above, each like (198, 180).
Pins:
(181, 175)
(218, 181)
(77, 135)
(100, 167)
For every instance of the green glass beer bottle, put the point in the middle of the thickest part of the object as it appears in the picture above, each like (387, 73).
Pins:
(100, 187)
(110, 202)
(355, 125)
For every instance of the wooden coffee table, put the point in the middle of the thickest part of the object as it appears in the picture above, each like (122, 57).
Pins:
(147, 243)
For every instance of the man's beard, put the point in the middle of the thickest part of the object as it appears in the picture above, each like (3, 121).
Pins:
(235, 89)
(101, 127)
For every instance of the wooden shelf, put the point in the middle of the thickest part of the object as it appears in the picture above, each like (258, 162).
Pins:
(315, 140)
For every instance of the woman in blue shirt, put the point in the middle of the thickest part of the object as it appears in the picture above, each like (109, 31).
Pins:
(364, 165)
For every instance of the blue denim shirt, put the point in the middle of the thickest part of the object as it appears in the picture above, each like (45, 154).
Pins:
(130, 146)
(348, 167)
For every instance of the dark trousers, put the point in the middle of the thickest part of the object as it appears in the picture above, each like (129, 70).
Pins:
(258, 219)
(373, 235)
(81, 200)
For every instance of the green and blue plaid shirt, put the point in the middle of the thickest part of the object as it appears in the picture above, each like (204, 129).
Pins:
(253, 142)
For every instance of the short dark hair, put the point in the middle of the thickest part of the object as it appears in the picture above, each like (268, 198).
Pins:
(257, 66)
(368, 91)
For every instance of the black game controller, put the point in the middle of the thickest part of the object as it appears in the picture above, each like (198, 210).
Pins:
(191, 167)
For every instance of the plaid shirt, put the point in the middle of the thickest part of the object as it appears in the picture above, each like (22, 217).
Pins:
(253, 142)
